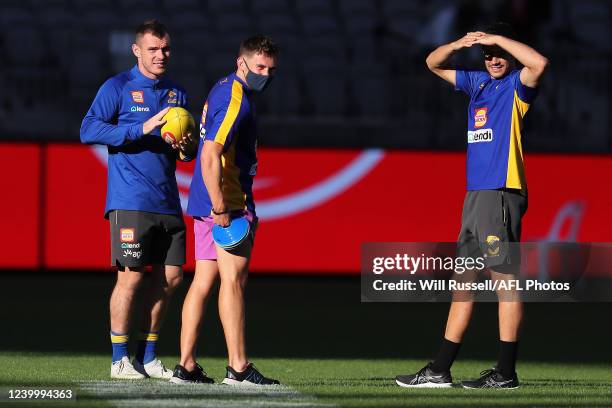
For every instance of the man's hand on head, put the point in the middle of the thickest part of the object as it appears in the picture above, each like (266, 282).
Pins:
(467, 40)
(486, 39)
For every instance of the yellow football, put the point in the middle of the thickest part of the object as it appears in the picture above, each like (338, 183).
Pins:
(179, 122)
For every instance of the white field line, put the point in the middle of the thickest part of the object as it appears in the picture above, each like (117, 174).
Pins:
(152, 393)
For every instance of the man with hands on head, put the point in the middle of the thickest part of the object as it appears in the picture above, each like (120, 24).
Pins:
(496, 199)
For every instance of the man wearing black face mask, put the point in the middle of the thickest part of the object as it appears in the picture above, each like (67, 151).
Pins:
(221, 189)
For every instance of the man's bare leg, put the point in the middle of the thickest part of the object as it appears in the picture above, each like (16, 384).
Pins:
(122, 298)
(164, 281)
(121, 307)
(206, 274)
(459, 316)
(233, 269)
(510, 311)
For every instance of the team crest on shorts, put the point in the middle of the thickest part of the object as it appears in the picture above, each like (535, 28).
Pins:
(493, 245)
(127, 234)
(480, 117)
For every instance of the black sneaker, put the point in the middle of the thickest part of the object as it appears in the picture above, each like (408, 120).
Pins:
(493, 379)
(197, 376)
(249, 377)
(425, 378)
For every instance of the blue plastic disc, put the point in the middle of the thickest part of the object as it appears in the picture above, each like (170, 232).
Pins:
(233, 235)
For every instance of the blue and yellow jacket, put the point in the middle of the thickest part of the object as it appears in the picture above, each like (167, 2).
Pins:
(141, 168)
(495, 128)
(228, 118)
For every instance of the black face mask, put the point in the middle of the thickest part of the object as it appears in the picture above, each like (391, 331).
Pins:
(257, 82)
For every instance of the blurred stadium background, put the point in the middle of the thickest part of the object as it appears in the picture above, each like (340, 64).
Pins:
(353, 110)
(352, 71)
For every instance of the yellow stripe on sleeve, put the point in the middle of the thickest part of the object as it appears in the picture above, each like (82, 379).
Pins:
(231, 114)
(515, 177)
(234, 197)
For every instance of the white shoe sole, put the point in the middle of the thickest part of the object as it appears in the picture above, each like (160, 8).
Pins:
(161, 378)
(176, 380)
(478, 388)
(142, 370)
(424, 385)
(128, 377)
(229, 381)
(158, 376)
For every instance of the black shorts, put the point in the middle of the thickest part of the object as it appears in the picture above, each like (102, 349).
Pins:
(140, 238)
(491, 227)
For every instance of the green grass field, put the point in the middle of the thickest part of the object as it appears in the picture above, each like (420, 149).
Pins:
(311, 382)
(313, 334)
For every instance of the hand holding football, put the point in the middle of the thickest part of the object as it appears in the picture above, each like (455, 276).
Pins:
(179, 122)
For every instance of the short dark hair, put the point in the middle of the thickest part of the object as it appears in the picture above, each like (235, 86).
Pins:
(501, 28)
(259, 44)
(153, 27)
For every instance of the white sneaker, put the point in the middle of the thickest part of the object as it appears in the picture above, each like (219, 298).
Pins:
(124, 370)
(153, 369)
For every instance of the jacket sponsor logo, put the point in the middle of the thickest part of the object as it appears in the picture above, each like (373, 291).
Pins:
(127, 234)
(482, 135)
(138, 96)
(172, 98)
(139, 109)
(480, 117)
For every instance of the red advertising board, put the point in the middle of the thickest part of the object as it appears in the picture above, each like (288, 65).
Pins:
(20, 206)
(316, 206)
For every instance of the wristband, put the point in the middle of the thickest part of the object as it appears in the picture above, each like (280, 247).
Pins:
(218, 213)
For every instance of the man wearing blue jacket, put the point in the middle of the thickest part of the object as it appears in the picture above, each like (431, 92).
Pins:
(142, 201)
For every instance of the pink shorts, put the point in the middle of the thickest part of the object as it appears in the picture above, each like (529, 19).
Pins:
(204, 244)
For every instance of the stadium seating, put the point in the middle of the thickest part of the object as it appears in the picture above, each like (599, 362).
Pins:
(353, 60)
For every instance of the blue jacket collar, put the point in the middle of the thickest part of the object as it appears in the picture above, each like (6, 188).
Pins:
(136, 74)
